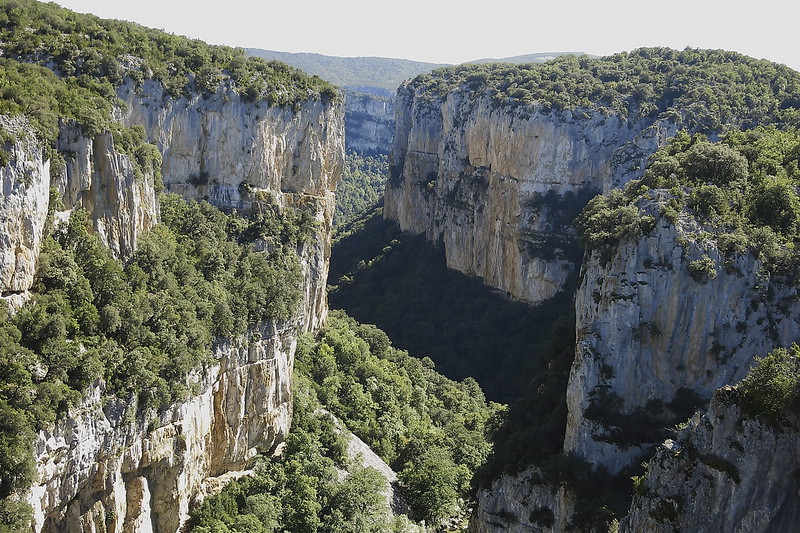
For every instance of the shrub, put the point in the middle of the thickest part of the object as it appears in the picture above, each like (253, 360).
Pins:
(772, 387)
(703, 269)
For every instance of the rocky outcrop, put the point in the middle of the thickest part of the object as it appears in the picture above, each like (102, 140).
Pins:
(663, 321)
(232, 153)
(724, 472)
(107, 466)
(520, 504)
(25, 180)
(97, 178)
(87, 173)
(368, 122)
(499, 186)
(654, 330)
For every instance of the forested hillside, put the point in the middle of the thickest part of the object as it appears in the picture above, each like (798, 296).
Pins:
(359, 73)
(431, 430)
(707, 90)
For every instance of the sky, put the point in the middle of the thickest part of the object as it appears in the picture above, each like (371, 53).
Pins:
(446, 31)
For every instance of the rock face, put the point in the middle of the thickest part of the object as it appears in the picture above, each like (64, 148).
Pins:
(231, 152)
(102, 181)
(519, 504)
(25, 181)
(655, 335)
(499, 186)
(724, 472)
(649, 324)
(106, 467)
(93, 176)
(368, 123)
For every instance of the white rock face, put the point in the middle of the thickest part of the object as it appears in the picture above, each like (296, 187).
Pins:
(724, 472)
(646, 327)
(369, 123)
(25, 182)
(232, 152)
(500, 186)
(104, 468)
(102, 181)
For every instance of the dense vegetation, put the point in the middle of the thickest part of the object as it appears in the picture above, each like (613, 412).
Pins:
(361, 185)
(706, 90)
(742, 191)
(430, 429)
(92, 56)
(301, 492)
(401, 283)
(771, 390)
(143, 326)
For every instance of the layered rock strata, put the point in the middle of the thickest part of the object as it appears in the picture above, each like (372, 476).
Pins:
(499, 186)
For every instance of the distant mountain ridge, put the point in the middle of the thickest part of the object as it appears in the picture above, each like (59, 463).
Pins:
(366, 74)
(362, 72)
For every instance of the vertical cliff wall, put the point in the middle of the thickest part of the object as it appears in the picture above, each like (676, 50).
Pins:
(369, 123)
(232, 152)
(25, 180)
(107, 466)
(649, 324)
(499, 186)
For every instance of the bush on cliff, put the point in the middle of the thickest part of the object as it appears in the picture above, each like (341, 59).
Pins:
(771, 389)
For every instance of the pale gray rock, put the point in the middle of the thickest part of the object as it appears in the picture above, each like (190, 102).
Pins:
(724, 472)
(106, 466)
(499, 186)
(369, 123)
(102, 181)
(520, 504)
(233, 153)
(25, 182)
(646, 327)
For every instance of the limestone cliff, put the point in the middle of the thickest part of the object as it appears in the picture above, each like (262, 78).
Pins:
(724, 472)
(654, 332)
(98, 178)
(107, 467)
(499, 186)
(88, 173)
(232, 153)
(368, 123)
(656, 336)
(23, 206)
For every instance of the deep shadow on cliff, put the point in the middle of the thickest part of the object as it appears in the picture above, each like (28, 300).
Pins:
(400, 282)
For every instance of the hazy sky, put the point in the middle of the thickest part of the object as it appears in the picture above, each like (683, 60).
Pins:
(446, 31)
